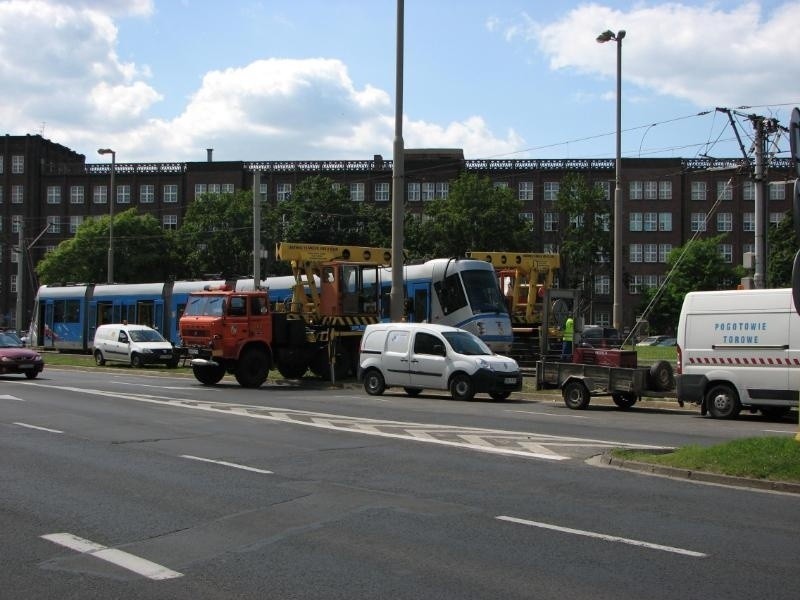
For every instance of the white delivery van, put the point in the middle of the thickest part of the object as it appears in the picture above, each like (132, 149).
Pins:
(739, 349)
(417, 356)
(137, 345)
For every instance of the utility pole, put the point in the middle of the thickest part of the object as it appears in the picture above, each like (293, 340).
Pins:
(20, 250)
(257, 230)
(763, 127)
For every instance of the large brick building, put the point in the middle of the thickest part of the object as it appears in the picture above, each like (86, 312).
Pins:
(48, 190)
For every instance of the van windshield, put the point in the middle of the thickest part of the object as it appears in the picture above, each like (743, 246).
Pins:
(146, 335)
(464, 342)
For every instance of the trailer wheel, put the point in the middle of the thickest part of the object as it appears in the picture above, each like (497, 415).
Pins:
(208, 375)
(723, 402)
(624, 399)
(251, 371)
(374, 383)
(576, 395)
(461, 387)
(660, 377)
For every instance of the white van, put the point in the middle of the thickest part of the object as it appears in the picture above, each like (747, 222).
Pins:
(417, 356)
(137, 345)
(739, 349)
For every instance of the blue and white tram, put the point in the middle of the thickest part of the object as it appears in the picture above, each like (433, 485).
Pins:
(459, 292)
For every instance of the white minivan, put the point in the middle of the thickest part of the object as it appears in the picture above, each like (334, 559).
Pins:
(137, 345)
(739, 349)
(417, 356)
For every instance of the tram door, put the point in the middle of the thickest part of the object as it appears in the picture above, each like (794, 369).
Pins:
(420, 310)
(47, 331)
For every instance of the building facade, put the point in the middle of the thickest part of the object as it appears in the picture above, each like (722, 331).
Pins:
(47, 190)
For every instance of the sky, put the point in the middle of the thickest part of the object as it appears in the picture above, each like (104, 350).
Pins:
(163, 80)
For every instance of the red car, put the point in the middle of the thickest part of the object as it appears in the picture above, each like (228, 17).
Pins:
(16, 358)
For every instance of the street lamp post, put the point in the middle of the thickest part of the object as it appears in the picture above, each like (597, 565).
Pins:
(608, 36)
(110, 214)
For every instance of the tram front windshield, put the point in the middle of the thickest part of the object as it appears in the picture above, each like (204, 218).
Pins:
(482, 291)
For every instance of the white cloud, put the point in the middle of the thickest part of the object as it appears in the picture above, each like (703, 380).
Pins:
(703, 54)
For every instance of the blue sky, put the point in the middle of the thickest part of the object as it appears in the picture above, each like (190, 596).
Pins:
(162, 80)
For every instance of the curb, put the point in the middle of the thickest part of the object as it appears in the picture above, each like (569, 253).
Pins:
(701, 476)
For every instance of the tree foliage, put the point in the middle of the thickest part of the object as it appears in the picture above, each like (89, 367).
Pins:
(782, 244)
(475, 215)
(696, 266)
(142, 252)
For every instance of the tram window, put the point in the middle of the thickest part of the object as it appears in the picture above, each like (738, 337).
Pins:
(451, 294)
(58, 311)
(72, 311)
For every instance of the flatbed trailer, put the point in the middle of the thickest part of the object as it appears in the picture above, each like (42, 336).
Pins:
(578, 382)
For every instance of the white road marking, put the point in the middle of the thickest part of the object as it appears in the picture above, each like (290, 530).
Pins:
(122, 559)
(6, 397)
(603, 536)
(226, 464)
(792, 432)
(546, 414)
(38, 428)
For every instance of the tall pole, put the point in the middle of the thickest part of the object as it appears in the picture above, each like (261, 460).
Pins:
(20, 250)
(760, 221)
(110, 213)
(607, 36)
(397, 296)
(257, 230)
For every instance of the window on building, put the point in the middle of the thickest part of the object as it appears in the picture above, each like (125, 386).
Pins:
(357, 192)
(748, 221)
(124, 194)
(100, 194)
(13, 256)
(663, 252)
(551, 189)
(724, 221)
(550, 221)
(665, 221)
(54, 194)
(635, 285)
(698, 190)
(53, 224)
(284, 191)
(605, 186)
(17, 194)
(650, 221)
(726, 252)
(635, 221)
(651, 190)
(635, 253)
(199, 190)
(147, 193)
(748, 248)
(413, 193)
(602, 318)
(698, 222)
(16, 220)
(603, 222)
(636, 190)
(17, 164)
(665, 190)
(525, 191)
(13, 287)
(169, 222)
(724, 190)
(776, 217)
(602, 285)
(76, 194)
(777, 191)
(227, 188)
(171, 193)
(527, 216)
(428, 191)
(650, 253)
(576, 221)
(442, 189)
(748, 191)
(263, 188)
(75, 223)
(382, 192)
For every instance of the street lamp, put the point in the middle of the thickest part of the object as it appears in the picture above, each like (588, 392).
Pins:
(609, 36)
(111, 214)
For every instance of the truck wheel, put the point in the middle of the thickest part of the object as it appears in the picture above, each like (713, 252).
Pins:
(292, 364)
(374, 383)
(624, 399)
(208, 375)
(98, 358)
(461, 387)
(413, 391)
(322, 368)
(252, 368)
(499, 395)
(723, 402)
(576, 396)
(660, 377)
(136, 361)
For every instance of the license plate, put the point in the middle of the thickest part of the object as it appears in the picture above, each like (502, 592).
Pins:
(194, 351)
(510, 380)
(24, 366)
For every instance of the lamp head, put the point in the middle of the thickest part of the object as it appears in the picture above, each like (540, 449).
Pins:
(105, 151)
(606, 36)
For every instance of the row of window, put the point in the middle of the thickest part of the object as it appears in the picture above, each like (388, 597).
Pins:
(55, 222)
(699, 221)
(17, 164)
(699, 191)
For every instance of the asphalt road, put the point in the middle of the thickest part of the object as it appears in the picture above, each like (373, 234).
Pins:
(118, 484)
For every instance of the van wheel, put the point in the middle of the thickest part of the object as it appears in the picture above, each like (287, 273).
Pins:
(136, 361)
(461, 387)
(413, 391)
(374, 383)
(624, 399)
(723, 402)
(252, 369)
(98, 358)
(660, 377)
(576, 396)
(208, 375)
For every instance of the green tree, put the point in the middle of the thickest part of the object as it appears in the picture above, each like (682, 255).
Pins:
(319, 213)
(783, 245)
(585, 235)
(696, 266)
(217, 234)
(475, 215)
(143, 252)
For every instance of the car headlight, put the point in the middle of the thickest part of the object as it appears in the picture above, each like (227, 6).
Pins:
(485, 364)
